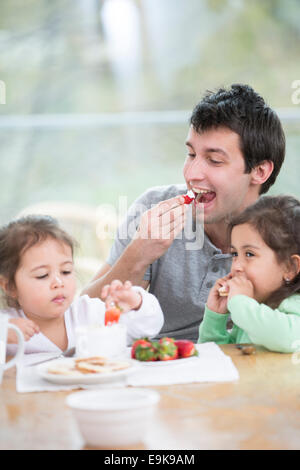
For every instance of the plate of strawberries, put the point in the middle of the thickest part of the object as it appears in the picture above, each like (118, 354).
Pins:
(164, 351)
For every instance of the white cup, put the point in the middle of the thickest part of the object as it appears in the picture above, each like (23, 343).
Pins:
(105, 341)
(4, 326)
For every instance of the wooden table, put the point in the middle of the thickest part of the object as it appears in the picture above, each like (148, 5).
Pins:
(260, 411)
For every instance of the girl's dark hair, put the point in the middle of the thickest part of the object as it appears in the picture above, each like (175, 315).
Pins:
(20, 235)
(277, 220)
(245, 112)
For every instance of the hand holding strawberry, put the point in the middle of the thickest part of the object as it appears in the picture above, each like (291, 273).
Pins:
(119, 298)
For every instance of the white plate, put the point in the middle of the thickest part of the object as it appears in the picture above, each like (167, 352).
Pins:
(173, 362)
(84, 379)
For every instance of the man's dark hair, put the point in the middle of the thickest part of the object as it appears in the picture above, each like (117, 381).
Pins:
(245, 112)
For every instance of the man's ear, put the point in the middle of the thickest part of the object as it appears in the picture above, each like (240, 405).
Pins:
(262, 172)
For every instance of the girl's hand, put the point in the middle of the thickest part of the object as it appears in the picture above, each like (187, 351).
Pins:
(215, 302)
(240, 285)
(28, 328)
(122, 295)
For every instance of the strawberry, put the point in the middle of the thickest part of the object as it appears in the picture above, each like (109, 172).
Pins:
(144, 350)
(167, 349)
(142, 341)
(188, 199)
(186, 348)
(112, 315)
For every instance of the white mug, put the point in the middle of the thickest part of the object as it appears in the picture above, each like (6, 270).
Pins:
(105, 341)
(4, 326)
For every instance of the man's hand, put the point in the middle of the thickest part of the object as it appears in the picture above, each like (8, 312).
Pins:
(159, 227)
(157, 230)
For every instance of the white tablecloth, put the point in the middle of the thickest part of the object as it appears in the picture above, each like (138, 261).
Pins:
(212, 365)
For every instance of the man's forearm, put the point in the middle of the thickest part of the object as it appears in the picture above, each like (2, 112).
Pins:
(128, 267)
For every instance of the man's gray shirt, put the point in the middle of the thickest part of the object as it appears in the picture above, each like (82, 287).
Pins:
(182, 278)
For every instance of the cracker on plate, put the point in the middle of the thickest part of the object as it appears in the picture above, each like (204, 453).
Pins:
(63, 370)
(88, 365)
(95, 360)
(87, 368)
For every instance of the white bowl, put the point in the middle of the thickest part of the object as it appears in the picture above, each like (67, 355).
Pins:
(113, 417)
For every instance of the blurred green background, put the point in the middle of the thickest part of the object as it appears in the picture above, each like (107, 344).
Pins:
(99, 92)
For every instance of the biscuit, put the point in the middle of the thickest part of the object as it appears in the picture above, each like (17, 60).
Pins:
(223, 292)
(89, 365)
(96, 360)
(87, 368)
(64, 370)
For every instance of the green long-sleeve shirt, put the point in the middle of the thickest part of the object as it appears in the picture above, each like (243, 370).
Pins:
(275, 329)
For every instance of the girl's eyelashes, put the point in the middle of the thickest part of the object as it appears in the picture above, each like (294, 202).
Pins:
(248, 254)
(43, 276)
(64, 273)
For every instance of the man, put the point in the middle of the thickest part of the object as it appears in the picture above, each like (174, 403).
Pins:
(235, 149)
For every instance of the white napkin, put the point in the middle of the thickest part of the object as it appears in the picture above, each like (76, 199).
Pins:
(212, 365)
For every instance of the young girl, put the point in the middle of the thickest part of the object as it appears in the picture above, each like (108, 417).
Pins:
(263, 287)
(38, 279)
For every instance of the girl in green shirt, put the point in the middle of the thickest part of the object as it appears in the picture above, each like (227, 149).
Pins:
(262, 291)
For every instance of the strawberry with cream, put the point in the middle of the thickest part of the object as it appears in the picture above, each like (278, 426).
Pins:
(189, 197)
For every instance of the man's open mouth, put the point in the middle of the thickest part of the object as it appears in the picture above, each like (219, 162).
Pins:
(203, 196)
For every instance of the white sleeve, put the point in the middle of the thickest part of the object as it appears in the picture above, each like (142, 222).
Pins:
(147, 321)
(86, 310)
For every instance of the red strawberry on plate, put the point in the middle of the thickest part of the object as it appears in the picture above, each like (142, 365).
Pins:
(167, 349)
(143, 350)
(186, 348)
(142, 341)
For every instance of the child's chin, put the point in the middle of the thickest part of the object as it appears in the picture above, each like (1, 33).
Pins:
(59, 309)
